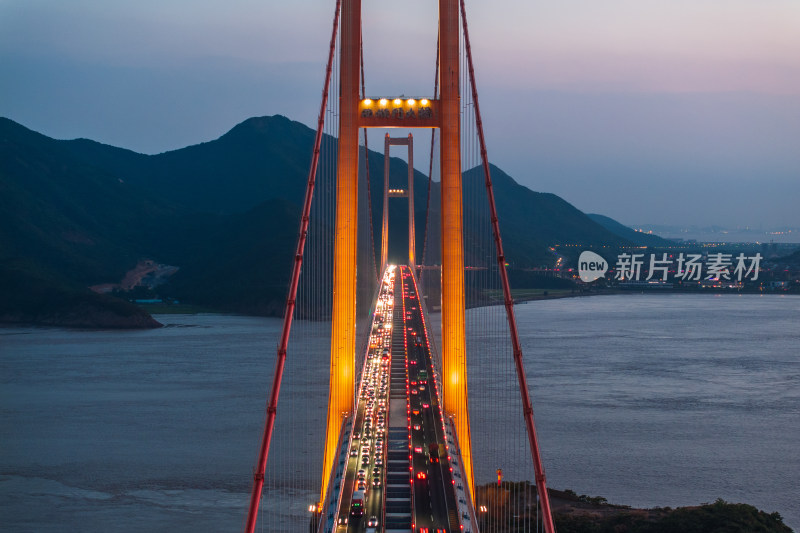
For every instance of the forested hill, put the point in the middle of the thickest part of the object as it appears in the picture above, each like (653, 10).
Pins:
(78, 213)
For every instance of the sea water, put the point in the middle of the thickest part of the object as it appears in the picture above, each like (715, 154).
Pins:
(647, 400)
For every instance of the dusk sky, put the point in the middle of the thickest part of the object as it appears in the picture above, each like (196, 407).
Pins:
(649, 111)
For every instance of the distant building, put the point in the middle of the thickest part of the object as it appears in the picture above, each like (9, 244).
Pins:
(777, 285)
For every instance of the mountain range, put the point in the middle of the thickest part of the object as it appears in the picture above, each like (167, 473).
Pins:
(78, 213)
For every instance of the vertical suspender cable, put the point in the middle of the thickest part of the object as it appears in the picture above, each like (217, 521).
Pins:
(541, 484)
(430, 169)
(258, 475)
(366, 163)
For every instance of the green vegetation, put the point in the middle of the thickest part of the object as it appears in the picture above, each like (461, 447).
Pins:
(718, 517)
(32, 295)
(175, 309)
(511, 508)
(636, 237)
(531, 221)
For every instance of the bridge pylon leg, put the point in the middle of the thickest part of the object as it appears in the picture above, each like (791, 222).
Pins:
(454, 352)
(343, 328)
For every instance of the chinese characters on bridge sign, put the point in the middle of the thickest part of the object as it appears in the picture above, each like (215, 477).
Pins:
(423, 112)
(686, 267)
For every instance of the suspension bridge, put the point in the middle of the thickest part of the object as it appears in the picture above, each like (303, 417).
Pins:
(397, 450)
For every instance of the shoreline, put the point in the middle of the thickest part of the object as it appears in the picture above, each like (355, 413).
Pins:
(615, 292)
(520, 296)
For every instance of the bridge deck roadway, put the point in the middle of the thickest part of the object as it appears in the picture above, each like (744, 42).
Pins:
(398, 474)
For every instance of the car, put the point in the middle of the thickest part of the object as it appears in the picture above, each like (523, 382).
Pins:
(376, 482)
(357, 504)
(372, 522)
(433, 452)
(362, 485)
